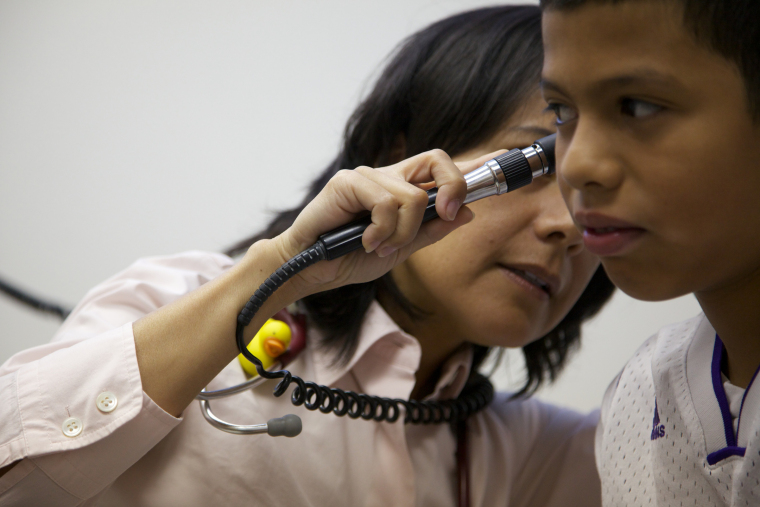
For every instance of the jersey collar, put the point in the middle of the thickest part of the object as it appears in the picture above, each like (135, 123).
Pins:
(703, 373)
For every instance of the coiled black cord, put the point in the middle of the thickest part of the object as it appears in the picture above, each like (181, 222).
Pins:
(476, 395)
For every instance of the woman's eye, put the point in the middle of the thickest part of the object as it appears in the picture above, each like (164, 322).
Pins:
(563, 113)
(639, 108)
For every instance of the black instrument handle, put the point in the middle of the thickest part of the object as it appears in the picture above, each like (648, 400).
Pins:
(348, 238)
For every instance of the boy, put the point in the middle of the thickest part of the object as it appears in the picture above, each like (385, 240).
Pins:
(658, 113)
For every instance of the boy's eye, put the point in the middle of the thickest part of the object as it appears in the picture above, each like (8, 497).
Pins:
(639, 108)
(563, 113)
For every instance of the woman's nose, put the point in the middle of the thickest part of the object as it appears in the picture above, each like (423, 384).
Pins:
(586, 161)
(554, 223)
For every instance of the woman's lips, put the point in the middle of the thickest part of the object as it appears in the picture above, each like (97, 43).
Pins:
(605, 236)
(535, 279)
(528, 286)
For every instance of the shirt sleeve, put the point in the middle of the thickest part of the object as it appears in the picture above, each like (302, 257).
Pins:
(71, 446)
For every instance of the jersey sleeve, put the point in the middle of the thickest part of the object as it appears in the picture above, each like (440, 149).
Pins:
(604, 415)
(73, 415)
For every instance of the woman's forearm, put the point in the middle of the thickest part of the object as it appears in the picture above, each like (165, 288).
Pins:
(184, 345)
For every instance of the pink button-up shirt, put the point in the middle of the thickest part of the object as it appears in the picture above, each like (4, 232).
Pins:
(521, 452)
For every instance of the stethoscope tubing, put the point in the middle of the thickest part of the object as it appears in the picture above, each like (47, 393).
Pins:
(239, 388)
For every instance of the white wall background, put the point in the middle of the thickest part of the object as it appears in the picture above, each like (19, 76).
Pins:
(137, 128)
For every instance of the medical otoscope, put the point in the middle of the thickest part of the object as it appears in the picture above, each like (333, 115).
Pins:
(505, 173)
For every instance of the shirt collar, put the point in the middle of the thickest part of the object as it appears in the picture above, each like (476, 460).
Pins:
(454, 374)
(386, 359)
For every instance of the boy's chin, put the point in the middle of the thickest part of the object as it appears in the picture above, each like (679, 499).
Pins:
(646, 284)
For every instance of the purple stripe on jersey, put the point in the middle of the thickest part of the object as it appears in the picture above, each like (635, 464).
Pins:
(744, 397)
(724, 453)
(720, 394)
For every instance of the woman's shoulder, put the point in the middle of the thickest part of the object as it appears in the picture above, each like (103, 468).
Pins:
(546, 449)
(193, 267)
(190, 268)
(142, 287)
(206, 264)
(531, 418)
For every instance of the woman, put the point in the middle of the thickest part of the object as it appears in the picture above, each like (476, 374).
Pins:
(92, 418)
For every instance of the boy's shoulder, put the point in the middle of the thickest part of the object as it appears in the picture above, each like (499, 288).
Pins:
(656, 440)
(633, 389)
(660, 348)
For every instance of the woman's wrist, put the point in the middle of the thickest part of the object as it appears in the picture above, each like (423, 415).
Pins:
(262, 259)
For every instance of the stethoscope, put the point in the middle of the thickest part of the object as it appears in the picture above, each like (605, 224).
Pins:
(290, 425)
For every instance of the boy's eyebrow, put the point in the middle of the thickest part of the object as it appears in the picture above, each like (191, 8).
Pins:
(638, 76)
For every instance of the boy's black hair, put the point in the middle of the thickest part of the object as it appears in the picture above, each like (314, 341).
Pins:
(452, 86)
(729, 27)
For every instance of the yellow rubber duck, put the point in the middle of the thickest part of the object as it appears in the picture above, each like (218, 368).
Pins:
(272, 340)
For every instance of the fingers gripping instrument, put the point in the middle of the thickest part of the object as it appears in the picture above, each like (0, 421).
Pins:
(505, 173)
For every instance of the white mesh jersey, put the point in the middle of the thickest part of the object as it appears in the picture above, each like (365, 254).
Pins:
(666, 437)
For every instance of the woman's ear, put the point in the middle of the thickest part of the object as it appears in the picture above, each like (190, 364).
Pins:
(397, 152)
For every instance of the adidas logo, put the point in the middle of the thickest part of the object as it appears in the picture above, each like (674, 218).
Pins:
(658, 430)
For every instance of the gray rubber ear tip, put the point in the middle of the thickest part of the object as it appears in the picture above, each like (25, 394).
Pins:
(285, 426)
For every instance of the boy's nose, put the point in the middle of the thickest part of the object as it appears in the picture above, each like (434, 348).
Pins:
(586, 161)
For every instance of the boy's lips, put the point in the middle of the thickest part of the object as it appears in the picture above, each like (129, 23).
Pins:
(605, 236)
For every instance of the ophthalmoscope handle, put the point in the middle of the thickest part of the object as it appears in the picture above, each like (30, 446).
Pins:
(505, 173)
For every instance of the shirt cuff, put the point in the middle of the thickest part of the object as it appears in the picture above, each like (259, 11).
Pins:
(86, 471)
(65, 385)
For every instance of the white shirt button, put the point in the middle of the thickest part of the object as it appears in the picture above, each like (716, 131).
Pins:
(72, 427)
(106, 402)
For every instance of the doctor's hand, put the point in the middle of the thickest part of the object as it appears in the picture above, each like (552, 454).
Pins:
(396, 199)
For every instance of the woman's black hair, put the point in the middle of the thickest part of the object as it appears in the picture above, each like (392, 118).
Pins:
(451, 86)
